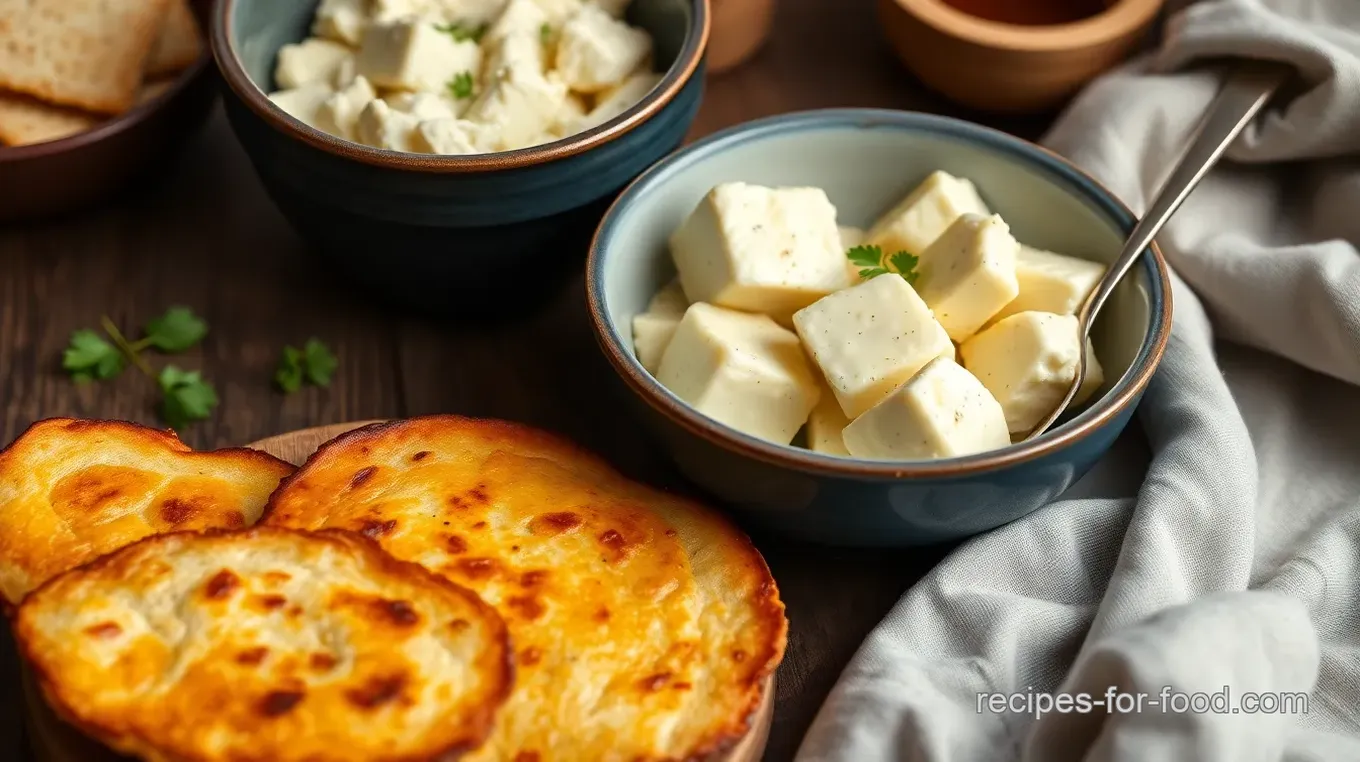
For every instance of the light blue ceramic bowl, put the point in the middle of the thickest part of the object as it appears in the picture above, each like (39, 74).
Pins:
(866, 160)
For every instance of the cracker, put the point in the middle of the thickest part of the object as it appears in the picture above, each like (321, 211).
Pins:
(180, 43)
(24, 121)
(84, 53)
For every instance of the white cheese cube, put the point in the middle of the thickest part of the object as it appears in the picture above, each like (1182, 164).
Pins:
(615, 8)
(520, 17)
(340, 20)
(596, 51)
(923, 215)
(770, 250)
(942, 412)
(653, 329)
(452, 137)
(346, 73)
(514, 55)
(313, 60)
(742, 370)
(520, 105)
(303, 103)
(1027, 361)
(826, 425)
(424, 105)
(1051, 282)
(559, 11)
(387, 11)
(968, 274)
(382, 126)
(569, 117)
(616, 100)
(1093, 380)
(472, 13)
(413, 55)
(341, 110)
(869, 339)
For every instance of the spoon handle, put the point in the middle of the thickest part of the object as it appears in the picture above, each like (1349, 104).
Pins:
(1246, 90)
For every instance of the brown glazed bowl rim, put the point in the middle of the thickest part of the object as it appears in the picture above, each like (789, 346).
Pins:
(686, 64)
(125, 122)
(1097, 416)
(1117, 20)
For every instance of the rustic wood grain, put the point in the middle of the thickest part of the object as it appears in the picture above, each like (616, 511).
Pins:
(208, 238)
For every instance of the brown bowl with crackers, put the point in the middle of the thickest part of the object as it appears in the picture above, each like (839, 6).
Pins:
(94, 95)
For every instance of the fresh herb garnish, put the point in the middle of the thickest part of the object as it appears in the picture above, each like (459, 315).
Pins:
(187, 397)
(178, 330)
(545, 33)
(460, 86)
(314, 363)
(462, 32)
(870, 260)
(89, 357)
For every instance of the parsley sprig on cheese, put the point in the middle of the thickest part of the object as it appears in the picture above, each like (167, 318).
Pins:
(870, 261)
(461, 85)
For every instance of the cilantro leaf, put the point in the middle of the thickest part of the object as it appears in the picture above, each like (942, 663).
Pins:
(872, 272)
(319, 363)
(866, 256)
(905, 264)
(288, 377)
(187, 396)
(177, 330)
(462, 32)
(89, 357)
(461, 85)
(545, 33)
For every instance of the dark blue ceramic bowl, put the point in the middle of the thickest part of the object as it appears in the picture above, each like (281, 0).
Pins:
(866, 160)
(482, 235)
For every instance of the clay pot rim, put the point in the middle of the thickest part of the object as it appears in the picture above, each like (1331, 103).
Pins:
(1120, 18)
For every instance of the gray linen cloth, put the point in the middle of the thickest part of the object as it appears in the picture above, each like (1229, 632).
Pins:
(1234, 562)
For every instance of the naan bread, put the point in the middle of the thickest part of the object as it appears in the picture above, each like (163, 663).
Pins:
(73, 490)
(644, 625)
(267, 644)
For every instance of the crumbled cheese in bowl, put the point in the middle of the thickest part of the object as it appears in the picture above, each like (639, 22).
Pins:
(453, 77)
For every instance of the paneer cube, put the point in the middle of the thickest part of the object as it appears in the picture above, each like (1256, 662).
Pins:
(452, 137)
(424, 106)
(313, 60)
(340, 20)
(742, 370)
(770, 250)
(520, 17)
(303, 103)
(569, 117)
(1051, 282)
(471, 13)
(514, 55)
(942, 412)
(521, 105)
(412, 54)
(341, 110)
(653, 329)
(826, 425)
(869, 339)
(923, 215)
(1027, 361)
(596, 51)
(558, 11)
(616, 100)
(968, 274)
(382, 126)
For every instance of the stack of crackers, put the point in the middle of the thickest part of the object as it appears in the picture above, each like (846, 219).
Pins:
(67, 65)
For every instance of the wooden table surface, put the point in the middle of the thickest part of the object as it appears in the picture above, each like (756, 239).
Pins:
(208, 238)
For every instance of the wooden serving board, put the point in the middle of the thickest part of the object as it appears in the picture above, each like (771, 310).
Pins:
(53, 740)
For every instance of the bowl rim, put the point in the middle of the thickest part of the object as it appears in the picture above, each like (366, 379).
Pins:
(687, 62)
(1128, 389)
(1116, 20)
(124, 122)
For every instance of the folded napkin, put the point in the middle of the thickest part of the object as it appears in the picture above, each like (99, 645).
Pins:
(1236, 565)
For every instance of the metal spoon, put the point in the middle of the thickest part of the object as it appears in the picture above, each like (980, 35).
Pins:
(1247, 89)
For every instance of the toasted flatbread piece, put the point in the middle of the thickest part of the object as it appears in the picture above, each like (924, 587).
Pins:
(179, 44)
(73, 490)
(267, 644)
(24, 120)
(89, 54)
(644, 624)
